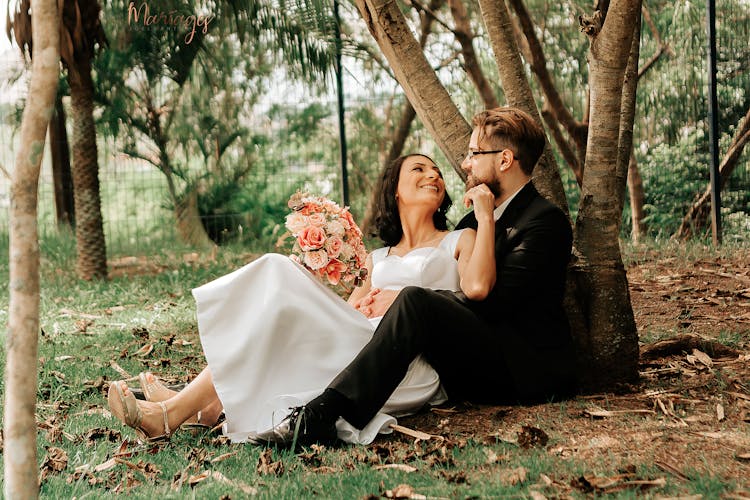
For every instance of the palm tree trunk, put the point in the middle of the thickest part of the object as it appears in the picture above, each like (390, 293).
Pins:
(91, 260)
(20, 471)
(609, 337)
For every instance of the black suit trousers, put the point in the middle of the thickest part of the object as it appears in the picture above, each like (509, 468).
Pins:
(465, 350)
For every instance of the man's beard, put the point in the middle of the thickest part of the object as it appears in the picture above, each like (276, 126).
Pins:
(494, 184)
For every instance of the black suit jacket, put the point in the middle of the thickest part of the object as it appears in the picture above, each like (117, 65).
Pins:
(533, 242)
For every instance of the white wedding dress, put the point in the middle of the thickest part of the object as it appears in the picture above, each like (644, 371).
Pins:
(275, 337)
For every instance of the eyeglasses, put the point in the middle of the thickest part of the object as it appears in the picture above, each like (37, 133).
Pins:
(471, 154)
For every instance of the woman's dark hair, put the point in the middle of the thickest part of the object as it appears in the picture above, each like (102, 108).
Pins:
(387, 222)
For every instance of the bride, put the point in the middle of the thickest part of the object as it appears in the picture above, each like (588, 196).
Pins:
(274, 336)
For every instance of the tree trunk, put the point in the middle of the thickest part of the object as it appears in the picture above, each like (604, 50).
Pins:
(61, 174)
(189, 224)
(408, 113)
(577, 131)
(465, 38)
(696, 219)
(518, 92)
(91, 259)
(637, 197)
(431, 101)
(19, 432)
(608, 339)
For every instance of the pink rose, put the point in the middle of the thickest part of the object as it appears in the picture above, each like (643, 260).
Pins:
(333, 246)
(311, 238)
(316, 259)
(333, 271)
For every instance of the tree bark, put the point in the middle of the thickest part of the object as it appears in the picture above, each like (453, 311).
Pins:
(61, 174)
(518, 92)
(91, 250)
(696, 219)
(19, 432)
(431, 101)
(608, 339)
(408, 113)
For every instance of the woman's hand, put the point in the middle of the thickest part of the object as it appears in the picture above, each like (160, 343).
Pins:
(376, 302)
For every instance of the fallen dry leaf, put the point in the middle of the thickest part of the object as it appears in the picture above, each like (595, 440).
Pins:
(719, 412)
(743, 456)
(423, 436)
(401, 467)
(325, 469)
(403, 491)
(510, 477)
(144, 351)
(245, 488)
(197, 478)
(223, 457)
(531, 436)
(704, 358)
(601, 413)
(266, 465)
(55, 461)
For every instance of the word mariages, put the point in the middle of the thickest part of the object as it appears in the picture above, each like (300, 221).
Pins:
(170, 18)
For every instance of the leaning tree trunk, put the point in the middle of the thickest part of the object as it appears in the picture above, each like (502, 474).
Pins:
(431, 101)
(402, 130)
(518, 92)
(609, 336)
(91, 260)
(696, 219)
(19, 424)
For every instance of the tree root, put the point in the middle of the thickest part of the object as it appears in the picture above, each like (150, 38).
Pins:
(678, 345)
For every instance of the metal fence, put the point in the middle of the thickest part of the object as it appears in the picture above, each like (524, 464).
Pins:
(138, 216)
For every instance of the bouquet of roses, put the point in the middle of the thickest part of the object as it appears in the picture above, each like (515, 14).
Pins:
(327, 241)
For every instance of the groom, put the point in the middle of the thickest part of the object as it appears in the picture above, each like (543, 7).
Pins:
(512, 346)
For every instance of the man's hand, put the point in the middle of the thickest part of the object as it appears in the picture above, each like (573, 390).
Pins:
(483, 200)
(376, 302)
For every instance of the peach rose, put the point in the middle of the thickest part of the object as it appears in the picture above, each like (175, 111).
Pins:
(333, 246)
(336, 228)
(316, 259)
(311, 238)
(317, 219)
(296, 222)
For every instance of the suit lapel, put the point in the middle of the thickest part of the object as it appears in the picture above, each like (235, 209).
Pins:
(507, 222)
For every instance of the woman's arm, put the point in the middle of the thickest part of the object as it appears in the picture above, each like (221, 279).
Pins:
(476, 250)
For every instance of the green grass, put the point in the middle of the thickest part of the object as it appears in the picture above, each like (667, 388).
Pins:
(86, 325)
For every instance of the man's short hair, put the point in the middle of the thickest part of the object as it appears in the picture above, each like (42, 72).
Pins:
(509, 127)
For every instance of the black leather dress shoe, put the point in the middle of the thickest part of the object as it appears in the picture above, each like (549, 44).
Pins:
(301, 427)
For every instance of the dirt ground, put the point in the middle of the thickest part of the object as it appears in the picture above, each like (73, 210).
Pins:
(689, 414)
